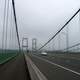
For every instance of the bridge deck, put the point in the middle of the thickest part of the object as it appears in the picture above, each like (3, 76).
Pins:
(15, 69)
(56, 68)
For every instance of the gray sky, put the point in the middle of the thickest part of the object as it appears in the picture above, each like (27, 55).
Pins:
(42, 18)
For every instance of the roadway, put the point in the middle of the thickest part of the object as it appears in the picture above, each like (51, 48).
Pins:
(57, 68)
(16, 69)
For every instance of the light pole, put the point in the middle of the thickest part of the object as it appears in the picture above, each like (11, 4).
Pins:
(59, 42)
(67, 38)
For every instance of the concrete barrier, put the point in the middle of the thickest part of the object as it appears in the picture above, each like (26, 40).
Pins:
(35, 73)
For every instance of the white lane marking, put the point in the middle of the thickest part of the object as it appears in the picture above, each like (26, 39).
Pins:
(58, 65)
(37, 71)
(75, 58)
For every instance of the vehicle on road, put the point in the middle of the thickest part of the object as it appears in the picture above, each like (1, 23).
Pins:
(43, 53)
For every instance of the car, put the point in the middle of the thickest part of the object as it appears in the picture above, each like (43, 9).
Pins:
(43, 53)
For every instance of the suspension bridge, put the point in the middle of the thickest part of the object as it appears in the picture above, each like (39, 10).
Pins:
(57, 59)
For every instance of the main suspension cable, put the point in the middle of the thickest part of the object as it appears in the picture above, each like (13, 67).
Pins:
(16, 26)
(59, 30)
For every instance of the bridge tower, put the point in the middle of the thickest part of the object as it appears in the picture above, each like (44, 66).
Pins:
(34, 44)
(25, 44)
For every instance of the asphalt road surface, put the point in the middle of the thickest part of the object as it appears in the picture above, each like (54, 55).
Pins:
(16, 69)
(57, 68)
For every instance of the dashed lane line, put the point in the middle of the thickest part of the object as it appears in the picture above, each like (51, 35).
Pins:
(57, 65)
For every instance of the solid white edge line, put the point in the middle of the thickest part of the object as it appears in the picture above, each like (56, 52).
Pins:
(37, 71)
(57, 65)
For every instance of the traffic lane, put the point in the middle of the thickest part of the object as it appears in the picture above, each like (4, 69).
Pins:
(15, 69)
(73, 64)
(53, 72)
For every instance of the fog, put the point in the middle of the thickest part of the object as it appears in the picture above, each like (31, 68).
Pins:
(42, 18)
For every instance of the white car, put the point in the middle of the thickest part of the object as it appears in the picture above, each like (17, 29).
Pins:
(43, 53)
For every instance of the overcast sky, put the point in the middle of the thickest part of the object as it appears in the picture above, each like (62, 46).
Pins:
(42, 18)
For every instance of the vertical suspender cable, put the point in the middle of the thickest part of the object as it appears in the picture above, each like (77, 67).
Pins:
(7, 17)
(10, 26)
(3, 32)
(10, 33)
